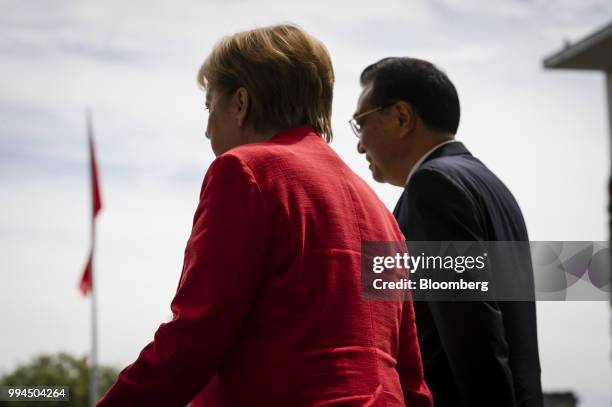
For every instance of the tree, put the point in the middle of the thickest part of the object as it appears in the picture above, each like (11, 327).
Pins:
(61, 369)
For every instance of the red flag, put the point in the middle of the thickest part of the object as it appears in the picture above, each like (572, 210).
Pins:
(85, 284)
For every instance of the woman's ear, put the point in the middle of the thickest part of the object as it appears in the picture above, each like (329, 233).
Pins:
(241, 106)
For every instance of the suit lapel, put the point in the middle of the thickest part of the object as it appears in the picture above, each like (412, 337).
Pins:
(398, 205)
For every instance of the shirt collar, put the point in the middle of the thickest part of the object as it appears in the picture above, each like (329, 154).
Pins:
(423, 158)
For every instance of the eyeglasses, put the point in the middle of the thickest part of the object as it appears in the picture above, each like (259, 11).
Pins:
(356, 127)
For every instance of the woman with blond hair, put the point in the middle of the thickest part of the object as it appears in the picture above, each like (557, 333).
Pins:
(269, 309)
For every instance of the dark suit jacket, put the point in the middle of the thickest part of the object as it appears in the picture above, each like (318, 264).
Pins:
(474, 353)
(269, 310)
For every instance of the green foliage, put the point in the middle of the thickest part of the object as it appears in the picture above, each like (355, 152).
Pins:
(59, 370)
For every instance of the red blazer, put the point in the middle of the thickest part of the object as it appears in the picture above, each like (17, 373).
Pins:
(268, 311)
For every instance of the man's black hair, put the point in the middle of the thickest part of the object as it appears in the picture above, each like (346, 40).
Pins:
(428, 90)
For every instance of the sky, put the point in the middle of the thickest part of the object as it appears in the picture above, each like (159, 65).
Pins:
(544, 133)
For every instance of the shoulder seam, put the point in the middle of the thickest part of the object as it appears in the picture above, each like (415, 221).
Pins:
(442, 175)
(251, 174)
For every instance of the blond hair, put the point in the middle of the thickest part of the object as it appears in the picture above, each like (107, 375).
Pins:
(287, 73)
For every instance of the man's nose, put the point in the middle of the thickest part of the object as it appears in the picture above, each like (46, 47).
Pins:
(360, 148)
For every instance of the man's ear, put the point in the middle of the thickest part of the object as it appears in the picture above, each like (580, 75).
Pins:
(406, 117)
(241, 105)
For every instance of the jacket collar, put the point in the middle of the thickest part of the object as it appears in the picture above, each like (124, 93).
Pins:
(295, 132)
(450, 149)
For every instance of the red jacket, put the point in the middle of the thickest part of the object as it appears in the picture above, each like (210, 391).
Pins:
(268, 311)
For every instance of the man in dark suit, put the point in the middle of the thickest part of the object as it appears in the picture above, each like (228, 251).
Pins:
(478, 353)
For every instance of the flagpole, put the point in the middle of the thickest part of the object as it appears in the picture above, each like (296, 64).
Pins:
(93, 387)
